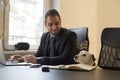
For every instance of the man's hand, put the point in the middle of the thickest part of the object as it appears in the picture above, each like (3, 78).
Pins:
(30, 59)
(17, 57)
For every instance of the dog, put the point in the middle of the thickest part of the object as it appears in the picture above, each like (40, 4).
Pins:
(85, 57)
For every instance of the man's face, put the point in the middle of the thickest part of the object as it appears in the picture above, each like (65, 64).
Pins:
(53, 24)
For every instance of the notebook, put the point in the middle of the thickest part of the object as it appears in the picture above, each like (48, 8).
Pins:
(9, 63)
(83, 67)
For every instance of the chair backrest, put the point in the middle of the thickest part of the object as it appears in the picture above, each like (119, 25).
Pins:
(82, 38)
(109, 57)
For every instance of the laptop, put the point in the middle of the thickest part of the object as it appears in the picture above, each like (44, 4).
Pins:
(9, 63)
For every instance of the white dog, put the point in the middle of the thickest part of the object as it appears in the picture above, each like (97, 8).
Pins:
(85, 57)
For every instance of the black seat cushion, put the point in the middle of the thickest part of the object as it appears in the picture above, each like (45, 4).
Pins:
(110, 49)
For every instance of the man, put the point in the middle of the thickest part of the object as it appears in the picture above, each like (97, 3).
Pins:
(58, 45)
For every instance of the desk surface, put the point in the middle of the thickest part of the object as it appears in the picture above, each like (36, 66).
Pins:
(26, 73)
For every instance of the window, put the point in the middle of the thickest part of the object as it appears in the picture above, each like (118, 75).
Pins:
(25, 22)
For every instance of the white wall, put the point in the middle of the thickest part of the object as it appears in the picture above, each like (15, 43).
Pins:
(95, 14)
(1, 16)
(56, 4)
(79, 13)
(50, 4)
(108, 15)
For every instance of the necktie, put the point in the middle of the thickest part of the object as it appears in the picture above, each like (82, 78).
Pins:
(52, 47)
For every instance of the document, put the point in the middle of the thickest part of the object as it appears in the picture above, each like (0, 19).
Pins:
(84, 67)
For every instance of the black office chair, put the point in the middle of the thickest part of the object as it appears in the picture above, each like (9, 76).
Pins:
(109, 57)
(82, 38)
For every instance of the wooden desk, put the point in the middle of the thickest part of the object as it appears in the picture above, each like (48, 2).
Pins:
(26, 73)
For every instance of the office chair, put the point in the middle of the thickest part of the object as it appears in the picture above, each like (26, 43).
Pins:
(82, 38)
(109, 57)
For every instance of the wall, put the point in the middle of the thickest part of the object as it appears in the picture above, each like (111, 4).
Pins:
(52, 4)
(1, 17)
(95, 14)
(80, 13)
(108, 15)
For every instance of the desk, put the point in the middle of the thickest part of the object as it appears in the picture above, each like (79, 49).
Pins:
(26, 73)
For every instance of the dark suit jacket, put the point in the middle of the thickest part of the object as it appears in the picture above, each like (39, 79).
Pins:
(65, 48)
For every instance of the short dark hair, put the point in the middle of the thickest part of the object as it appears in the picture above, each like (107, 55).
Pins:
(52, 12)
